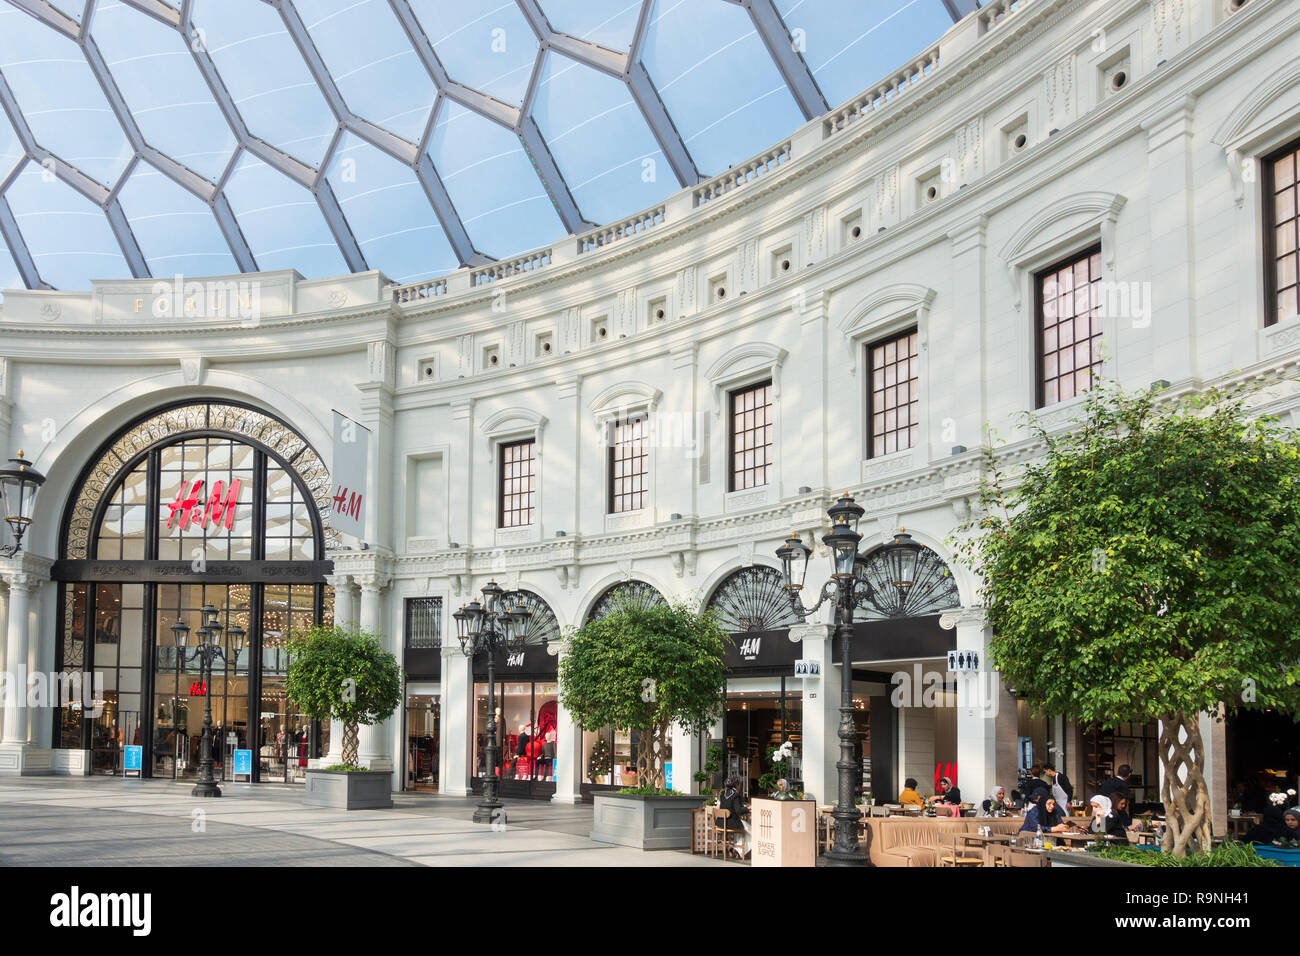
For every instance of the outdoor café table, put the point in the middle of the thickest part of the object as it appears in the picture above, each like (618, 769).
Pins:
(983, 842)
(1240, 825)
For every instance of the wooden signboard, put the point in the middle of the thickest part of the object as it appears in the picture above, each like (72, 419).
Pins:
(783, 832)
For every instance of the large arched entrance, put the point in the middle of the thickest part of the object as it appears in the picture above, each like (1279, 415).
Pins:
(203, 502)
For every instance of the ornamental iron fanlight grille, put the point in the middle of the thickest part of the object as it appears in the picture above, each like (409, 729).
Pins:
(632, 594)
(934, 588)
(543, 627)
(752, 599)
(424, 623)
(101, 477)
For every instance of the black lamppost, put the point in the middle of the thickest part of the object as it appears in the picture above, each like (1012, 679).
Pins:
(208, 649)
(849, 589)
(500, 622)
(18, 486)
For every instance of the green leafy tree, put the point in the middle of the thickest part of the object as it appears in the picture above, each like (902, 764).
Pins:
(344, 675)
(646, 668)
(1143, 568)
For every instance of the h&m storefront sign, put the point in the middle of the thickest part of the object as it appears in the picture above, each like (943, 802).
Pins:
(533, 660)
(757, 651)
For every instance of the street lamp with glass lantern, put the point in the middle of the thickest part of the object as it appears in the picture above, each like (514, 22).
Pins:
(499, 623)
(849, 589)
(18, 486)
(209, 649)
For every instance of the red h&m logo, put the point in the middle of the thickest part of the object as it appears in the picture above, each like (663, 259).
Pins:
(345, 505)
(191, 510)
(199, 688)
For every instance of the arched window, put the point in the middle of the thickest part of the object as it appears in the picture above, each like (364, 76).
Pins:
(637, 594)
(752, 599)
(933, 590)
(543, 627)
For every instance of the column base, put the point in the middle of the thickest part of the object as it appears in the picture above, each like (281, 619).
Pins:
(566, 798)
(70, 763)
(24, 760)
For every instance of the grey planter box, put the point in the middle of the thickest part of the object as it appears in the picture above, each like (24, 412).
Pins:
(362, 790)
(647, 823)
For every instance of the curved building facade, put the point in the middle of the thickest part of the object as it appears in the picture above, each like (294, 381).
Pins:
(1055, 191)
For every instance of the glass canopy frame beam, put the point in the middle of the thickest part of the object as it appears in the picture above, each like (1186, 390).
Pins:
(958, 9)
(790, 63)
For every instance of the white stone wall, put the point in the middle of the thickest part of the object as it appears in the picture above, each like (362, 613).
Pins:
(1153, 172)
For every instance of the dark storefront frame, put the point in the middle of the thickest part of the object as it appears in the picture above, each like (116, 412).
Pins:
(152, 573)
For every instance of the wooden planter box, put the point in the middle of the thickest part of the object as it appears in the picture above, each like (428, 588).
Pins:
(360, 790)
(647, 823)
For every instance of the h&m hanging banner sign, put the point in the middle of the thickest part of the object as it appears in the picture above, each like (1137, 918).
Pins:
(351, 454)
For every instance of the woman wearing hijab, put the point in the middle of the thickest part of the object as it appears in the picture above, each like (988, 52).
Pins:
(996, 804)
(731, 801)
(1045, 815)
(1101, 814)
(1270, 827)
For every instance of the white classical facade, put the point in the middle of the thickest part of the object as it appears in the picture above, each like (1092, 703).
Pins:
(1030, 133)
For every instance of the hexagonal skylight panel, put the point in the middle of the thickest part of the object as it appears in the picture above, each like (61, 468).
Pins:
(485, 44)
(372, 62)
(175, 230)
(389, 212)
(163, 88)
(265, 74)
(68, 235)
(596, 133)
(281, 221)
(847, 45)
(712, 71)
(60, 97)
(610, 24)
(491, 183)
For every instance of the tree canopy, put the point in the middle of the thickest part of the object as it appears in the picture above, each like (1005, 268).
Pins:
(1145, 564)
(345, 675)
(646, 668)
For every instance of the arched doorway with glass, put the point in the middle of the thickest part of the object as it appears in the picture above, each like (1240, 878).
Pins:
(609, 753)
(198, 504)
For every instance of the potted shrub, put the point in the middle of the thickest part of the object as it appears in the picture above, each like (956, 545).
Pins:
(645, 668)
(344, 675)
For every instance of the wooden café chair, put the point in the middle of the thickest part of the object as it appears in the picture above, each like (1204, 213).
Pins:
(1016, 857)
(724, 836)
(953, 852)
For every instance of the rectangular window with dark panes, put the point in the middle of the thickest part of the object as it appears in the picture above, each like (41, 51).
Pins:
(628, 465)
(1281, 239)
(518, 472)
(892, 395)
(751, 436)
(424, 623)
(1068, 327)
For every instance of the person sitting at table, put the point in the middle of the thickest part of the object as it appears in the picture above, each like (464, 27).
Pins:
(909, 796)
(948, 795)
(996, 803)
(1120, 820)
(1271, 826)
(1101, 812)
(731, 801)
(1045, 815)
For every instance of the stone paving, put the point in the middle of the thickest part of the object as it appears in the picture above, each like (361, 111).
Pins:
(101, 821)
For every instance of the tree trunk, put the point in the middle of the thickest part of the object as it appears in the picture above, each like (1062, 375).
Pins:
(645, 744)
(1184, 792)
(349, 744)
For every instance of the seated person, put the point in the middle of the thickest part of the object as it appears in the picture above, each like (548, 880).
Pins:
(909, 796)
(730, 799)
(1102, 810)
(948, 795)
(996, 803)
(1120, 819)
(1045, 814)
(1269, 828)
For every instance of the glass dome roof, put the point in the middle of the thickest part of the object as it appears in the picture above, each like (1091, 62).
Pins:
(144, 138)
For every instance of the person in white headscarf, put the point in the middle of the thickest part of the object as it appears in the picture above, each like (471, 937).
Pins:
(1101, 811)
(996, 803)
